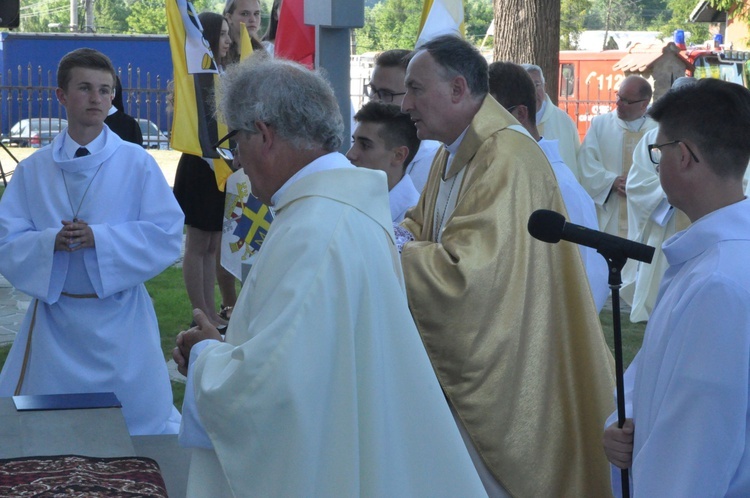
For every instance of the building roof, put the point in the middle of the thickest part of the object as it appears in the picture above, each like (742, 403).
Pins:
(641, 57)
(703, 12)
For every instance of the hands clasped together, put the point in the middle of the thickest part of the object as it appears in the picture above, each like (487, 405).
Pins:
(189, 338)
(74, 235)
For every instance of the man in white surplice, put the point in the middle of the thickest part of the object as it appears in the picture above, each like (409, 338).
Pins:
(689, 434)
(651, 220)
(607, 153)
(323, 387)
(84, 223)
(553, 123)
(385, 139)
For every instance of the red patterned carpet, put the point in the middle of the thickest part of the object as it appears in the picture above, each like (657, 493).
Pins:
(80, 476)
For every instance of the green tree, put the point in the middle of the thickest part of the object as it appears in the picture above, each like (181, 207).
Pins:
(737, 9)
(148, 17)
(478, 15)
(388, 25)
(111, 16)
(615, 15)
(395, 24)
(38, 17)
(572, 15)
(676, 17)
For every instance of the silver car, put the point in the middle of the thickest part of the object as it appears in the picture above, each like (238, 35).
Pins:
(35, 132)
(152, 137)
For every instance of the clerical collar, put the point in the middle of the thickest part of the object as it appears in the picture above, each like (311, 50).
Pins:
(636, 124)
(453, 148)
(332, 160)
(70, 146)
(111, 111)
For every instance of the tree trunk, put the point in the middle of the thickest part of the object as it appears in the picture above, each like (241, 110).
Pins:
(528, 32)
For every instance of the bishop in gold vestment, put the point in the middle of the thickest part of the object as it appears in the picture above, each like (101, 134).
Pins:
(508, 321)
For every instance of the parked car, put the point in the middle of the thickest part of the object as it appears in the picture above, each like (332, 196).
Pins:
(35, 132)
(153, 138)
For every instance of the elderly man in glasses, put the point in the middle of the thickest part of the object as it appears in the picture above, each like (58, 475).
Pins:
(322, 386)
(689, 434)
(387, 86)
(607, 153)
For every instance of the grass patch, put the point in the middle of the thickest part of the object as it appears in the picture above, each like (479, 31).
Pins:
(173, 312)
(172, 306)
(632, 335)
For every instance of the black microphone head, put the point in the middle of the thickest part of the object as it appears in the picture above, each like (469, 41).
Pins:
(546, 225)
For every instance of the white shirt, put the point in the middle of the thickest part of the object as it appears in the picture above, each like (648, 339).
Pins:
(690, 389)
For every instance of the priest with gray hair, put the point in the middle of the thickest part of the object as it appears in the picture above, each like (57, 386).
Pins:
(322, 386)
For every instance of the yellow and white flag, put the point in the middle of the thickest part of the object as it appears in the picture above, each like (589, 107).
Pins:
(194, 127)
(440, 17)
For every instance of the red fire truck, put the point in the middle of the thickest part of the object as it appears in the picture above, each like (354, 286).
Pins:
(589, 84)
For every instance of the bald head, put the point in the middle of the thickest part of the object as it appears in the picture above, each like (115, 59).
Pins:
(633, 98)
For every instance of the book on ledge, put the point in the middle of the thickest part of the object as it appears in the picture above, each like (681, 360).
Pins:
(78, 401)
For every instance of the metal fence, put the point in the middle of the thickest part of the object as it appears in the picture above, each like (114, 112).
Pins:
(28, 93)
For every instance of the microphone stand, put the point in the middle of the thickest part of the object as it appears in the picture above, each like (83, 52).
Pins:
(616, 261)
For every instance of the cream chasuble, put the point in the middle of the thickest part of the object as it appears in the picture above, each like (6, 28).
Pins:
(323, 387)
(606, 153)
(508, 321)
(629, 141)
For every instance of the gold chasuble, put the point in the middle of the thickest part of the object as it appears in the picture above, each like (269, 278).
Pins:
(509, 321)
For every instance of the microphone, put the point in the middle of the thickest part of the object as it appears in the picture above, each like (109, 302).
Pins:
(550, 226)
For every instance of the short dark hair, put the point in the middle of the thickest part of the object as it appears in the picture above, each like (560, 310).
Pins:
(715, 116)
(457, 57)
(87, 58)
(397, 130)
(393, 58)
(511, 85)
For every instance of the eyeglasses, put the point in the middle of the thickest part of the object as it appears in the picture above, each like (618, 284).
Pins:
(386, 96)
(510, 109)
(227, 154)
(654, 151)
(628, 102)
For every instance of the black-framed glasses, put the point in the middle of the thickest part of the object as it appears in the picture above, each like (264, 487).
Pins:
(654, 151)
(386, 96)
(629, 102)
(225, 152)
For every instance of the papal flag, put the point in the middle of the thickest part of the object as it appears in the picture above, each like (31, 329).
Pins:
(440, 17)
(194, 128)
(246, 222)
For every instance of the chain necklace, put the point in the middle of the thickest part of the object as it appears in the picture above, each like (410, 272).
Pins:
(76, 211)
